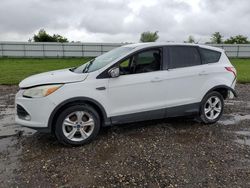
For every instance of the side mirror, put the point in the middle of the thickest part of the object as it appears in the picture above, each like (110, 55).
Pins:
(114, 72)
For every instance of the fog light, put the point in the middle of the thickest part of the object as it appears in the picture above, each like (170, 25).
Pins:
(22, 113)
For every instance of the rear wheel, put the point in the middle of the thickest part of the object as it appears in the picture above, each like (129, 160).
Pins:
(212, 107)
(77, 125)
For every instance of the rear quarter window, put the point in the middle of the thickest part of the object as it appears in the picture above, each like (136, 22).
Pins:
(209, 56)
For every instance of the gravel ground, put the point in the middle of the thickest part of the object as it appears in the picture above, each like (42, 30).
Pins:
(166, 153)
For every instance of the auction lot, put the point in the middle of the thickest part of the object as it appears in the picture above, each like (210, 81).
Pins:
(166, 153)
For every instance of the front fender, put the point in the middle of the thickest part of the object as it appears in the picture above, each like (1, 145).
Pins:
(61, 106)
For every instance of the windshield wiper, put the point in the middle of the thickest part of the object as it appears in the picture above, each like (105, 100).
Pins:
(86, 68)
(72, 69)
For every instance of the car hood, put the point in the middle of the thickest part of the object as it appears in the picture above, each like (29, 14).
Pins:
(58, 76)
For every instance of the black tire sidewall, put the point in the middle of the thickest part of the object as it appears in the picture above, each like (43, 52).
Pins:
(81, 107)
(203, 117)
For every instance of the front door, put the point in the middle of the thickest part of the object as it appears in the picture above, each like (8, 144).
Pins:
(138, 89)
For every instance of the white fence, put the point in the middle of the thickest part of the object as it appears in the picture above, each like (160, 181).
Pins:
(59, 50)
(235, 50)
(54, 50)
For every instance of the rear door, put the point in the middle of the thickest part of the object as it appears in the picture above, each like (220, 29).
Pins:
(185, 75)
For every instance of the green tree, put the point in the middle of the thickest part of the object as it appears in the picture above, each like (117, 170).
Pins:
(43, 36)
(60, 38)
(216, 38)
(190, 39)
(149, 36)
(238, 39)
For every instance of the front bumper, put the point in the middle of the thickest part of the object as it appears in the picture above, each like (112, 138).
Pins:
(38, 109)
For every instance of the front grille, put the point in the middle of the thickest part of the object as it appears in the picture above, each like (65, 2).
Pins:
(22, 113)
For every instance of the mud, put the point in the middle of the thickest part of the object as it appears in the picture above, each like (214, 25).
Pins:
(243, 137)
(166, 153)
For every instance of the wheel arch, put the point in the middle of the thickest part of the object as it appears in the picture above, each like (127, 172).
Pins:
(223, 90)
(78, 100)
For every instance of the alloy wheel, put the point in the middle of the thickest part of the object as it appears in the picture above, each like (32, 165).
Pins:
(213, 107)
(78, 126)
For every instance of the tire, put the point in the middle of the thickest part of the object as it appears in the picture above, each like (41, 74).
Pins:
(77, 125)
(212, 106)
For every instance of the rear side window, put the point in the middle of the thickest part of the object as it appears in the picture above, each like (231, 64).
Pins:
(183, 56)
(209, 56)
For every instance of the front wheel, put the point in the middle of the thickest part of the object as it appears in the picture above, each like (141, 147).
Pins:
(212, 107)
(77, 125)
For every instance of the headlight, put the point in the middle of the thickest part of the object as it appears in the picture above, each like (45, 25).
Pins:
(41, 91)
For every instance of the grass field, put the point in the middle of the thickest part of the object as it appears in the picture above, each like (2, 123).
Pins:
(243, 69)
(12, 71)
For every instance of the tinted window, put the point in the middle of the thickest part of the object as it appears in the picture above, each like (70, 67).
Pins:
(209, 56)
(146, 57)
(183, 56)
(146, 61)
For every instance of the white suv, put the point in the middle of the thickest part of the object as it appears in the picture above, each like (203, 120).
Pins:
(131, 83)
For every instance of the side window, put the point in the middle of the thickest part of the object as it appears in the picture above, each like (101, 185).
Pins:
(183, 56)
(209, 56)
(146, 58)
(125, 66)
(146, 61)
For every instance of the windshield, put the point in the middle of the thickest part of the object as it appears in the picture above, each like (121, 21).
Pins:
(102, 60)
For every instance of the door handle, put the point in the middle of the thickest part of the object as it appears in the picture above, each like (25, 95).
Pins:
(156, 79)
(101, 88)
(202, 73)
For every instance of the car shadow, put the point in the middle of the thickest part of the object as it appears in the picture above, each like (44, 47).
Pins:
(137, 129)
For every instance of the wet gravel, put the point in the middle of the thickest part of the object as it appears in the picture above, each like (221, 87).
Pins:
(165, 153)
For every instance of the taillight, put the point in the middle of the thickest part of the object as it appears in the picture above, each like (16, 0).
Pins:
(231, 69)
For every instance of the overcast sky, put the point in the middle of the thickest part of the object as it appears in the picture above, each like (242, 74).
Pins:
(123, 20)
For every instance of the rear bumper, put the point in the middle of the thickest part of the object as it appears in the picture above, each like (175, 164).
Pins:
(232, 92)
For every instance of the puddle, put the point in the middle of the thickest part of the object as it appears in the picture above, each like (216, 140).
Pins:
(233, 119)
(235, 102)
(8, 126)
(10, 149)
(243, 137)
